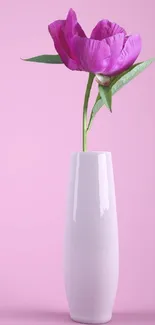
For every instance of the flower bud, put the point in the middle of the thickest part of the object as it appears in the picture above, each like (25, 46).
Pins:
(102, 80)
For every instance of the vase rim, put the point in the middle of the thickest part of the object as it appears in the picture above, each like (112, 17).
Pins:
(91, 152)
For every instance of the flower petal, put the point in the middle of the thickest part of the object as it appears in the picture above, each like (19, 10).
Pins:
(61, 46)
(92, 55)
(97, 56)
(62, 32)
(129, 54)
(72, 27)
(116, 43)
(105, 29)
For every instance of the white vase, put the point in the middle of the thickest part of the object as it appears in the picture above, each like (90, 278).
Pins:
(91, 238)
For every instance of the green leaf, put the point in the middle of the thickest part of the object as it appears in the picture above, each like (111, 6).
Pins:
(118, 82)
(124, 78)
(46, 58)
(106, 96)
(98, 104)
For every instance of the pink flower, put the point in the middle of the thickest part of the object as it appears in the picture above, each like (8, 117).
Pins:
(108, 51)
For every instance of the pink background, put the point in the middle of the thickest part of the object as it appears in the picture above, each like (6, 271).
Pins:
(40, 125)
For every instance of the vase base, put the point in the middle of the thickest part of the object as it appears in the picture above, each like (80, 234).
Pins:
(91, 321)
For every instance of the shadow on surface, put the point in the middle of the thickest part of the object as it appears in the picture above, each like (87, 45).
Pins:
(35, 315)
(62, 317)
(133, 318)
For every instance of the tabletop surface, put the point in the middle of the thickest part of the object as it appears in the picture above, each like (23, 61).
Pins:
(43, 317)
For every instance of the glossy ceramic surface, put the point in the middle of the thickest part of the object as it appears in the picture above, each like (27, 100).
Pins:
(91, 238)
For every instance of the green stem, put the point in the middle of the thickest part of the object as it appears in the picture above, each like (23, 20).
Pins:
(85, 109)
